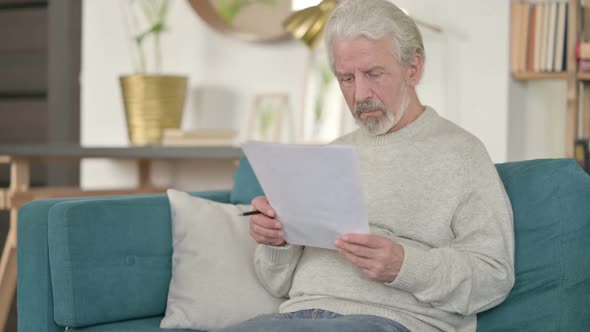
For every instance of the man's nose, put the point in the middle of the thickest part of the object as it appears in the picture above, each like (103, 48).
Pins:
(362, 89)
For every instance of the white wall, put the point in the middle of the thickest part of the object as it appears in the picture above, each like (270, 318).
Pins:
(537, 119)
(467, 79)
(224, 75)
(475, 54)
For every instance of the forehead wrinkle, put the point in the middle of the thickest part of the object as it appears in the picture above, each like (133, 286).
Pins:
(358, 54)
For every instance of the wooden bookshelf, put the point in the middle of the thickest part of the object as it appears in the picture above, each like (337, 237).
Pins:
(572, 77)
(525, 76)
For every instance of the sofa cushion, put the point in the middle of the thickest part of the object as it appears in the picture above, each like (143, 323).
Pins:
(551, 200)
(213, 284)
(110, 258)
(246, 185)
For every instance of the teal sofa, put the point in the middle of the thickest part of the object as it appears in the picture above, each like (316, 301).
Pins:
(103, 264)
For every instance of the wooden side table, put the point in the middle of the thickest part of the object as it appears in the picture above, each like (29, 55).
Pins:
(19, 192)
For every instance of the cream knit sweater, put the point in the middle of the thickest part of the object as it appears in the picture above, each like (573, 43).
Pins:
(431, 187)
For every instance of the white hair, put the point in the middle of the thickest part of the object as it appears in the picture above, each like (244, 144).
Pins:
(375, 19)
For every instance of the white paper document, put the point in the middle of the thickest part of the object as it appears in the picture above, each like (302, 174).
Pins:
(315, 190)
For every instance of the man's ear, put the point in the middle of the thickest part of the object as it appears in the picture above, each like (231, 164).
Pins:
(415, 70)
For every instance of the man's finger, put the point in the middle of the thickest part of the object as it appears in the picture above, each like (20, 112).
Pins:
(266, 222)
(261, 204)
(361, 262)
(265, 240)
(269, 233)
(365, 240)
(355, 249)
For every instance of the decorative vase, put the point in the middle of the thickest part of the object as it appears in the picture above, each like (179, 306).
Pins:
(152, 104)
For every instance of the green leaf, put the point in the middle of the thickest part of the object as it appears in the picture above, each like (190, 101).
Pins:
(229, 9)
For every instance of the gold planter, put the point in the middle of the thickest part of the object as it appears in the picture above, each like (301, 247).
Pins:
(152, 103)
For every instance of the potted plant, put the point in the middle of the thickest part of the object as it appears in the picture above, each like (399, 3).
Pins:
(153, 101)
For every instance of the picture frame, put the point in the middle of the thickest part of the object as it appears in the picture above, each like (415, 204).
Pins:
(267, 117)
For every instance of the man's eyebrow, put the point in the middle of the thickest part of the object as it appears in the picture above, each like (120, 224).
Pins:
(376, 67)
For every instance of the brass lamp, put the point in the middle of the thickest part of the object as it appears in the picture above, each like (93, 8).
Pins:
(307, 24)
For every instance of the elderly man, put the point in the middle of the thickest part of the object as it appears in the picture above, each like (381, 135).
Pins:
(441, 246)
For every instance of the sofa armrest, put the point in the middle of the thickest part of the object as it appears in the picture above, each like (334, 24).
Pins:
(91, 260)
(34, 295)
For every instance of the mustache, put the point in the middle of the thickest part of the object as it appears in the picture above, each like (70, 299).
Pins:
(367, 105)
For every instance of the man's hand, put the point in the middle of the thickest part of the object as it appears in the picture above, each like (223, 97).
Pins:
(263, 227)
(378, 257)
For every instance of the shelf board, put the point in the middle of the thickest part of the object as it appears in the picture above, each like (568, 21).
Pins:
(526, 76)
(540, 76)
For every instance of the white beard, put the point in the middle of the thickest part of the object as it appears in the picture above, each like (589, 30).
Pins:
(379, 125)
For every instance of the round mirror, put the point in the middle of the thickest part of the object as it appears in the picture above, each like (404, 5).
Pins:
(250, 20)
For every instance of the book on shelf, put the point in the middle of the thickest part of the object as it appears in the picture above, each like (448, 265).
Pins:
(583, 65)
(524, 33)
(199, 137)
(551, 31)
(561, 38)
(538, 36)
(583, 50)
(536, 33)
(531, 42)
(544, 33)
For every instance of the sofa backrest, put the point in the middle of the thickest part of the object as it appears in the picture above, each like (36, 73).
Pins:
(551, 204)
(110, 258)
(246, 185)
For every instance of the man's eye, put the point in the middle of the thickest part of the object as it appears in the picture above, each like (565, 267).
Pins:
(346, 79)
(375, 74)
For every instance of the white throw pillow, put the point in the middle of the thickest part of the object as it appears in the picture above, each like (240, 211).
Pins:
(213, 282)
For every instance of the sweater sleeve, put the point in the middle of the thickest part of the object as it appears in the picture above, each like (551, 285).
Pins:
(476, 270)
(274, 267)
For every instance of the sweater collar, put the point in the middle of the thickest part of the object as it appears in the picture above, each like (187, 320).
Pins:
(406, 132)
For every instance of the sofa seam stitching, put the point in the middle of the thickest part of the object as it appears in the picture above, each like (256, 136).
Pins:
(560, 252)
(69, 257)
(50, 313)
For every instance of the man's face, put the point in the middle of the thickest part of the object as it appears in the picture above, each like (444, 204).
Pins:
(372, 82)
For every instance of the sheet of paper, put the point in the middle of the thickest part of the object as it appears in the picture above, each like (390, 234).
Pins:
(316, 190)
